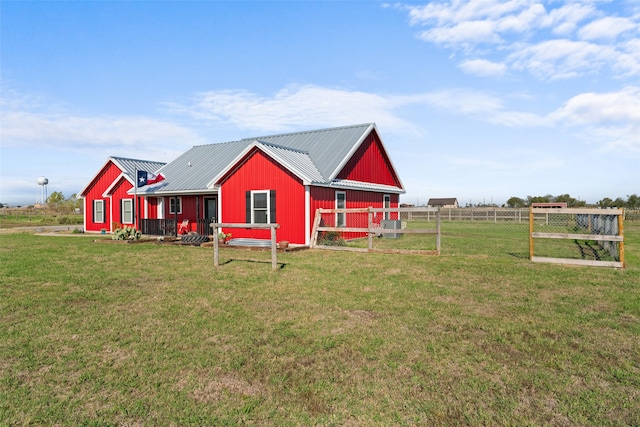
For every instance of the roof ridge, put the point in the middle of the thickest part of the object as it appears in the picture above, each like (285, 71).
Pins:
(310, 131)
(220, 143)
(136, 160)
(284, 147)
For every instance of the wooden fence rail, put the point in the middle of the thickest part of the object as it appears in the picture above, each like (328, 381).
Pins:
(372, 230)
(611, 237)
(217, 226)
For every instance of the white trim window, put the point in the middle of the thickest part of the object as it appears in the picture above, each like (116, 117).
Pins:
(175, 205)
(341, 203)
(386, 203)
(127, 211)
(98, 211)
(261, 207)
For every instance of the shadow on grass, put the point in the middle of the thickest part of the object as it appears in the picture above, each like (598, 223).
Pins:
(280, 265)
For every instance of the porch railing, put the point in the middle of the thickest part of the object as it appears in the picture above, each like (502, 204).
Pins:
(158, 227)
(204, 226)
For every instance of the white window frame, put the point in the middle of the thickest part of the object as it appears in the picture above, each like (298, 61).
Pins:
(386, 203)
(124, 212)
(341, 217)
(97, 211)
(268, 207)
(172, 205)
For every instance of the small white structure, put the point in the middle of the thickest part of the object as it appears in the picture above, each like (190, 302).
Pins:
(42, 181)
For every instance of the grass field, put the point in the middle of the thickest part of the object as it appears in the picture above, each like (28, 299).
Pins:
(146, 334)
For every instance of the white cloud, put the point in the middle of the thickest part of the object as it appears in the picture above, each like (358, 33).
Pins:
(299, 106)
(24, 126)
(557, 59)
(615, 115)
(483, 67)
(611, 119)
(526, 33)
(607, 28)
(565, 19)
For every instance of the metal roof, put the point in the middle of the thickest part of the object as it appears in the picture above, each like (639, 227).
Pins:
(130, 166)
(315, 156)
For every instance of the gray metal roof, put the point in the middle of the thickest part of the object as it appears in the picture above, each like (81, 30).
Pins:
(130, 166)
(314, 156)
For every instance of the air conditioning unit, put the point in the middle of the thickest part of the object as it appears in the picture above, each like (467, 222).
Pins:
(391, 224)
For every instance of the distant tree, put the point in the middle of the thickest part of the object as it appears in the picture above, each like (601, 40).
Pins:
(633, 201)
(1, 205)
(539, 199)
(56, 198)
(516, 202)
(619, 203)
(605, 203)
(570, 201)
(73, 202)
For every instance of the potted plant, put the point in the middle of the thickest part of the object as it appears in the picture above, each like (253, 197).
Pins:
(223, 237)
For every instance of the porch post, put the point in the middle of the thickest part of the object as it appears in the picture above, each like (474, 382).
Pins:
(175, 212)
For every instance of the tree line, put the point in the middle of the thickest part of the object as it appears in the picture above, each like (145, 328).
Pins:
(632, 201)
(56, 200)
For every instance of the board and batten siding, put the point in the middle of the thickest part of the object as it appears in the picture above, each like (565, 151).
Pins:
(259, 172)
(96, 189)
(325, 198)
(370, 164)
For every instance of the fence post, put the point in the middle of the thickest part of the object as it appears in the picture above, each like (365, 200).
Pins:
(216, 255)
(530, 233)
(274, 260)
(621, 233)
(438, 230)
(370, 226)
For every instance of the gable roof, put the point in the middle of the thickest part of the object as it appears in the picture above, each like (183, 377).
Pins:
(442, 201)
(316, 157)
(128, 168)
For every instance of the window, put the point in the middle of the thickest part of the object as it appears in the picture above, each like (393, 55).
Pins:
(261, 207)
(98, 211)
(127, 211)
(341, 203)
(387, 205)
(175, 205)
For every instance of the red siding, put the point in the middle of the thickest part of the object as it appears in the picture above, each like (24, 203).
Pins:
(370, 163)
(118, 193)
(188, 210)
(152, 208)
(325, 198)
(95, 191)
(260, 172)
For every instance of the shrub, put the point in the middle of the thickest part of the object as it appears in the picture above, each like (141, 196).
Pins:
(331, 238)
(126, 233)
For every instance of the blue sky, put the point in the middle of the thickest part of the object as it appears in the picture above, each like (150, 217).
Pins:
(480, 100)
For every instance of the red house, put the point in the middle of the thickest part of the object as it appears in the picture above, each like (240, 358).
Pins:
(278, 178)
(108, 202)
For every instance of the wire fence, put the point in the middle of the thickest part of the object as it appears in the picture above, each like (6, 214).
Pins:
(481, 232)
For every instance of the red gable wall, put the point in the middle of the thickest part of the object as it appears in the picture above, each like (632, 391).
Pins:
(95, 191)
(370, 163)
(259, 172)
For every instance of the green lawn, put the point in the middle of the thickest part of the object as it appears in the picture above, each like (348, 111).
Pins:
(147, 334)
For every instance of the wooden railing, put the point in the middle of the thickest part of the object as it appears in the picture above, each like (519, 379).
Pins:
(374, 229)
(217, 226)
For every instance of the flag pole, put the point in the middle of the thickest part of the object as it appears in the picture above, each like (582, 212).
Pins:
(135, 201)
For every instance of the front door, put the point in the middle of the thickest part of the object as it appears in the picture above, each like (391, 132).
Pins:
(211, 208)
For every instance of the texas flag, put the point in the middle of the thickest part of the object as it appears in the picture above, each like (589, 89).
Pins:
(148, 178)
